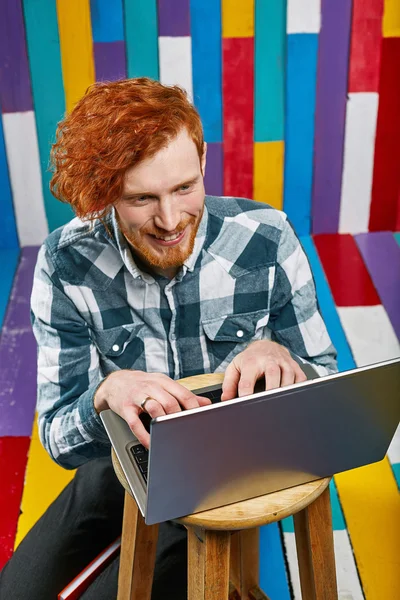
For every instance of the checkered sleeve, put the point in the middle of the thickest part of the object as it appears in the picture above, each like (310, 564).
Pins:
(68, 373)
(295, 318)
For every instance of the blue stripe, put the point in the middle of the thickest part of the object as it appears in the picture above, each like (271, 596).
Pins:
(205, 18)
(141, 38)
(9, 263)
(301, 75)
(8, 237)
(48, 92)
(107, 20)
(270, 46)
(273, 577)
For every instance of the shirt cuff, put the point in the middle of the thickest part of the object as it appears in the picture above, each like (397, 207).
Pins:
(90, 420)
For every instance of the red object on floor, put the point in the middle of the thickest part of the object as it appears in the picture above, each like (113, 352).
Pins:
(386, 179)
(13, 459)
(238, 111)
(347, 275)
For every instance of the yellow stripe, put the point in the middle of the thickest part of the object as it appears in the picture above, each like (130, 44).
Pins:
(268, 173)
(76, 44)
(391, 19)
(237, 18)
(44, 480)
(370, 502)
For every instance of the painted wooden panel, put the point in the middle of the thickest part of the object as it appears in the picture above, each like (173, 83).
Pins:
(48, 93)
(176, 62)
(13, 456)
(76, 43)
(107, 20)
(18, 354)
(358, 162)
(109, 59)
(237, 18)
(25, 176)
(214, 178)
(207, 66)
(347, 275)
(268, 173)
(333, 61)
(301, 81)
(273, 576)
(382, 257)
(386, 181)
(8, 237)
(365, 47)
(303, 16)
(391, 20)
(15, 85)
(269, 70)
(141, 35)
(9, 261)
(173, 18)
(44, 480)
(238, 79)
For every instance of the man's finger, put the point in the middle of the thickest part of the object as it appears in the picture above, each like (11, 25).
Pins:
(299, 374)
(138, 428)
(167, 401)
(272, 376)
(287, 374)
(248, 377)
(230, 384)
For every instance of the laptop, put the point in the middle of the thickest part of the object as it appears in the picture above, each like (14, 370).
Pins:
(230, 451)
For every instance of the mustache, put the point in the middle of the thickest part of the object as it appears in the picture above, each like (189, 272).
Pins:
(154, 230)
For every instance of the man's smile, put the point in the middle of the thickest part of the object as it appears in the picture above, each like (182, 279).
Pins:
(169, 240)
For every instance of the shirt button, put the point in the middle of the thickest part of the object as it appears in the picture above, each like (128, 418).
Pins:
(240, 333)
(115, 348)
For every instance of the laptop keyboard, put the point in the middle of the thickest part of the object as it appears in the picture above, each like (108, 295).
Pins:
(141, 456)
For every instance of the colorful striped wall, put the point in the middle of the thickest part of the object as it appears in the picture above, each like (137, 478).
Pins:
(300, 99)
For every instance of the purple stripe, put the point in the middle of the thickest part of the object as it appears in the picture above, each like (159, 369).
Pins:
(18, 354)
(110, 61)
(214, 170)
(15, 85)
(381, 254)
(330, 114)
(173, 17)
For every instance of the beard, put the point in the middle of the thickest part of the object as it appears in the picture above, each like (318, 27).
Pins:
(163, 257)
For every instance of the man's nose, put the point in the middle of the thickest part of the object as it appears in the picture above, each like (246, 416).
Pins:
(168, 215)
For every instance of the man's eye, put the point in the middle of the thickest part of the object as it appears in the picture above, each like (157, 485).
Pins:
(185, 188)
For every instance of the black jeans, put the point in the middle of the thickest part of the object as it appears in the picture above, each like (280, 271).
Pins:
(84, 519)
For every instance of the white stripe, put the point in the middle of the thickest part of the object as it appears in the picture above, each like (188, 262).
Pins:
(303, 16)
(25, 176)
(359, 148)
(370, 334)
(176, 62)
(349, 587)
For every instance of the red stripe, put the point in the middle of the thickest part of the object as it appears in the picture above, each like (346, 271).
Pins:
(238, 84)
(348, 278)
(365, 48)
(386, 181)
(13, 458)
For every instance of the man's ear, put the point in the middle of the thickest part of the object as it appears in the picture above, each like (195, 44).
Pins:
(204, 159)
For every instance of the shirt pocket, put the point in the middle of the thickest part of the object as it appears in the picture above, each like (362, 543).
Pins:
(228, 335)
(119, 346)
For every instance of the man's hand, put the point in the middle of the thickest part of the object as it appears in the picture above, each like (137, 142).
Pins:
(123, 391)
(261, 358)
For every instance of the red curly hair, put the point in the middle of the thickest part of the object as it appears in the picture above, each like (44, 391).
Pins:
(113, 127)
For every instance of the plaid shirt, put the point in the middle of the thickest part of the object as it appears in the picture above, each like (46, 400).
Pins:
(94, 311)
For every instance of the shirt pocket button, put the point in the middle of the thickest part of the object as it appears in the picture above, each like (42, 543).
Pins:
(115, 348)
(240, 333)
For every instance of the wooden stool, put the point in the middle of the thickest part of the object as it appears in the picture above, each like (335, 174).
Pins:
(223, 560)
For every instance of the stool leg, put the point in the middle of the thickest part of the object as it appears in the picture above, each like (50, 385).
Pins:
(245, 564)
(208, 564)
(138, 554)
(315, 552)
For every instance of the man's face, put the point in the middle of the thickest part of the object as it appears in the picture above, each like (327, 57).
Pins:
(162, 203)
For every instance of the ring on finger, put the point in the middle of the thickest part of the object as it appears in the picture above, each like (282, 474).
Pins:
(143, 403)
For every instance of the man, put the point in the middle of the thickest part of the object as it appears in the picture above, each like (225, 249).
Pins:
(155, 283)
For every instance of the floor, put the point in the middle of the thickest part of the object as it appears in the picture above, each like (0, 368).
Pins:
(358, 286)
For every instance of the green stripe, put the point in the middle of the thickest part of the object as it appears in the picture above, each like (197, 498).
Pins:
(141, 38)
(48, 92)
(397, 238)
(269, 94)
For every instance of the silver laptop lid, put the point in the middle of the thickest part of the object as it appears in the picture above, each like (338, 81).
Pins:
(247, 447)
